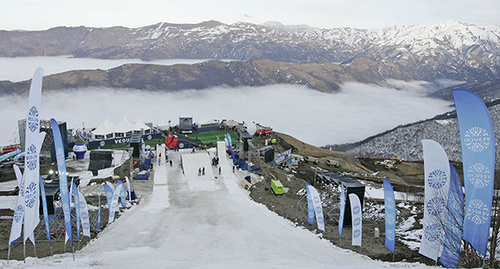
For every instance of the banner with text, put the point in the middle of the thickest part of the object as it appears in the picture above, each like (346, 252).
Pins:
(84, 215)
(32, 148)
(310, 207)
(123, 194)
(63, 179)
(17, 220)
(357, 219)
(437, 187)
(318, 207)
(390, 216)
(342, 209)
(450, 256)
(76, 197)
(44, 208)
(478, 158)
(108, 190)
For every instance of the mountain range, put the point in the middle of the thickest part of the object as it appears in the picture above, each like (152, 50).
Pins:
(245, 54)
(450, 50)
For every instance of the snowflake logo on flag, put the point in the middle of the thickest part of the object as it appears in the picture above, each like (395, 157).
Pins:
(389, 202)
(437, 179)
(477, 139)
(30, 195)
(84, 215)
(435, 206)
(33, 119)
(479, 175)
(357, 233)
(355, 210)
(86, 226)
(31, 158)
(18, 214)
(390, 235)
(21, 188)
(66, 210)
(357, 221)
(318, 209)
(432, 232)
(478, 212)
(64, 191)
(389, 218)
(60, 153)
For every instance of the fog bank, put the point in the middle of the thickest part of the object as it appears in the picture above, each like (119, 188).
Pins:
(356, 112)
(22, 68)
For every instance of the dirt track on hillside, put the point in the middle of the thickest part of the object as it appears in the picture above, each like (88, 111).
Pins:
(408, 177)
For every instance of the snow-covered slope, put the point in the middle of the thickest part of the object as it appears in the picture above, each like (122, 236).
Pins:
(183, 227)
(451, 50)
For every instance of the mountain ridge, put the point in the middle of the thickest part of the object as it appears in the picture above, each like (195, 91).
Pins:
(404, 141)
(450, 50)
(324, 77)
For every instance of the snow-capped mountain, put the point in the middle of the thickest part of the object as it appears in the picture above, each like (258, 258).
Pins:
(450, 50)
(404, 142)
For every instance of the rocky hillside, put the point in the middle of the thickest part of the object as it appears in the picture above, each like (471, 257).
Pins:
(450, 50)
(324, 77)
(404, 142)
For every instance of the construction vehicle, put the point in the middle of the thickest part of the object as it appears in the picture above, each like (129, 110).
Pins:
(389, 164)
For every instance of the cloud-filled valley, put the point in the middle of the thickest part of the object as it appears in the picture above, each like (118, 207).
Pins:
(357, 111)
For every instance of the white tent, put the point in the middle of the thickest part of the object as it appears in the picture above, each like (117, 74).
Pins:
(124, 128)
(140, 126)
(251, 127)
(230, 123)
(105, 130)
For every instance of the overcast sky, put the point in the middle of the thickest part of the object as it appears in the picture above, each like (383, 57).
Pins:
(40, 15)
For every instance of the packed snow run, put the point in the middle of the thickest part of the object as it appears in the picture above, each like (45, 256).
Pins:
(204, 221)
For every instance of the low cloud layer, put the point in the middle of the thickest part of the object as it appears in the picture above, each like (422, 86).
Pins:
(22, 68)
(358, 111)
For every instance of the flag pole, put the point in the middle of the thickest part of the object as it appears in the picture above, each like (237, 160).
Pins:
(24, 251)
(8, 255)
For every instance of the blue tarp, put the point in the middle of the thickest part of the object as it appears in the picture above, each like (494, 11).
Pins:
(142, 176)
(145, 165)
(254, 167)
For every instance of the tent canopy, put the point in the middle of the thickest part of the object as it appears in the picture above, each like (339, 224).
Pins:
(105, 128)
(124, 126)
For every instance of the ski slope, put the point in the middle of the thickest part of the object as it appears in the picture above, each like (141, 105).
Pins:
(204, 222)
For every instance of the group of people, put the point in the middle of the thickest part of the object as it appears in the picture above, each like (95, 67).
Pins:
(166, 159)
(215, 161)
(201, 171)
